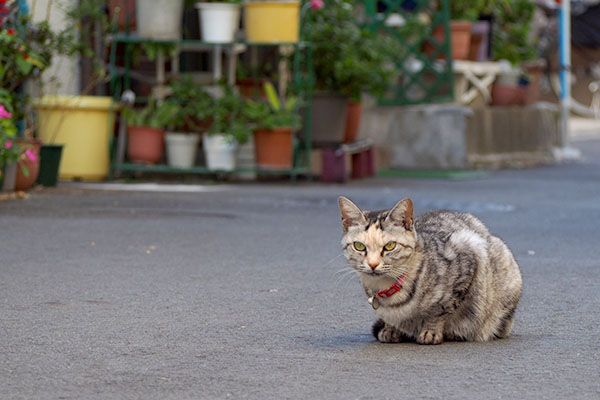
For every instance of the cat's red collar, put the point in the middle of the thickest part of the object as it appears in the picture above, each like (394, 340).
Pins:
(389, 292)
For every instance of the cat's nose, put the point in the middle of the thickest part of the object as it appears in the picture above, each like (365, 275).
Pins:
(373, 264)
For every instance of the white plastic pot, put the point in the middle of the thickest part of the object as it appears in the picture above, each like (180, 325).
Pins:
(218, 21)
(159, 19)
(219, 151)
(181, 149)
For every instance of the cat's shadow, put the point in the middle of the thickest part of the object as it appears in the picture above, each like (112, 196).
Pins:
(362, 340)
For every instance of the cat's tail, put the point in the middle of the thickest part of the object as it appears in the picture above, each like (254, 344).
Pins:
(377, 327)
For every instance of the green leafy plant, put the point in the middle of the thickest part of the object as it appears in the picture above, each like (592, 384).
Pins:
(274, 113)
(512, 40)
(152, 115)
(229, 117)
(348, 59)
(466, 10)
(9, 150)
(190, 106)
(220, 1)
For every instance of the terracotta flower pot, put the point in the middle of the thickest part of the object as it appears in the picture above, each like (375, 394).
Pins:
(506, 95)
(534, 71)
(145, 145)
(273, 148)
(460, 36)
(460, 32)
(251, 88)
(26, 181)
(352, 121)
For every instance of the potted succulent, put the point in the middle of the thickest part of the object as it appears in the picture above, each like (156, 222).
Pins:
(228, 128)
(275, 122)
(269, 21)
(189, 117)
(145, 132)
(219, 20)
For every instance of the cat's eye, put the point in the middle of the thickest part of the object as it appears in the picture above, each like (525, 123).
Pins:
(360, 246)
(389, 246)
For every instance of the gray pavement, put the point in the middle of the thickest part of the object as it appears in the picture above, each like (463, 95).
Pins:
(233, 291)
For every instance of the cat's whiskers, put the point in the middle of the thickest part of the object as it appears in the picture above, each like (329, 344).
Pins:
(333, 259)
(346, 274)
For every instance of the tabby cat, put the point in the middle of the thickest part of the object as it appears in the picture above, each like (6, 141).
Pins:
(439, 276)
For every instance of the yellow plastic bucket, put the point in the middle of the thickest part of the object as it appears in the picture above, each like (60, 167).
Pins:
(83, 124)
(271, 21)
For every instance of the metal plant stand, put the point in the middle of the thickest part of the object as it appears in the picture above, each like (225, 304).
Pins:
(302, 80)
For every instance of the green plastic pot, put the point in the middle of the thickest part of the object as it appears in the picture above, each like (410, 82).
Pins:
(50, 155)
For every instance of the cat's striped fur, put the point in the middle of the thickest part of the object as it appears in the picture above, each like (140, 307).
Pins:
(461, 282)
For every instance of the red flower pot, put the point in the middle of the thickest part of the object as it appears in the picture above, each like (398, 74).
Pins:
(145, 145)
(273, 148)
(460, 37)
(352, 121)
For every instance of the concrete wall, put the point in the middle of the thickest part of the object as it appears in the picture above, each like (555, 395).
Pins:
(417, 137)
(437, 136)
(62, 77)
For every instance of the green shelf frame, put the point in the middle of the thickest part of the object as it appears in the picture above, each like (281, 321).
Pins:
(434, 81)
(163, 168)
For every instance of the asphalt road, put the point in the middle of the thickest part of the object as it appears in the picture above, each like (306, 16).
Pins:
(234, 292)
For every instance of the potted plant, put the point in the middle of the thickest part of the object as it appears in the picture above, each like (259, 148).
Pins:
(512, 42)
(145, 132)
(19, 158)
(25, 51)
(83, 124)
(159, 19)
(189, 117)
(275, 122)
(9, 150)
(270, 21)
(348, 60)
(229, 127)
(219, 20)
(463, 13)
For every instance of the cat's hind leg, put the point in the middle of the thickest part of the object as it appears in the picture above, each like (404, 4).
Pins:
(387, 333)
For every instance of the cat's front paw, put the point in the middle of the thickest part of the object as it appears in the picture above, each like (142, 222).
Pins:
(389, 335)
(428, 336)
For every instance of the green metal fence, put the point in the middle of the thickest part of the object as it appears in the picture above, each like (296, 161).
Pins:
(424, 60)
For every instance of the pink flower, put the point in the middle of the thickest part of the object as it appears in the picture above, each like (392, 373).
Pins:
(316, 4)
(4, 113)
(30, 154)
(8, 143)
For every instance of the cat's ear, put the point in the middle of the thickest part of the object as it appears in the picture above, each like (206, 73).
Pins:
(402, 214)
(351, 214)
